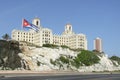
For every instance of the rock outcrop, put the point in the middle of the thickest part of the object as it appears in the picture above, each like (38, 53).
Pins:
(15, 55)
(9, 58)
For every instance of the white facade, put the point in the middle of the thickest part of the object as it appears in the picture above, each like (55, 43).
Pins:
(45, 36)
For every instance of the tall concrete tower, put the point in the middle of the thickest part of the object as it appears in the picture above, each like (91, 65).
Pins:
(36, 22)
(98, 44)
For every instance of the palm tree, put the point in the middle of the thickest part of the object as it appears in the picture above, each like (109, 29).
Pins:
(6, 37)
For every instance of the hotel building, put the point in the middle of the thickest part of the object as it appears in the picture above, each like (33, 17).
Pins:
(45, 36)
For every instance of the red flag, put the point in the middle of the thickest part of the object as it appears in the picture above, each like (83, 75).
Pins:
(26, 23)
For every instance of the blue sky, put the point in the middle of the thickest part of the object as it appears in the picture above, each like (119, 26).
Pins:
(95, 18)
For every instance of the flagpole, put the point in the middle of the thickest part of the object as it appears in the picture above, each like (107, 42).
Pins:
(22, 24)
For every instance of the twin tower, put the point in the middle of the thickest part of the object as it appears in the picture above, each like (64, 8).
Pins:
(68, 27)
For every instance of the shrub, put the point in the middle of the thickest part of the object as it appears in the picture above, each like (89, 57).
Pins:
(38, 63)
(50, 45)
(77, 50)
(64, 60)
(52, 62)
(115, 58)
(64, 46)
(76, 62)
(87, 57)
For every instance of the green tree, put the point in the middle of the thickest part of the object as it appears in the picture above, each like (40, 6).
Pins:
(115, 58)
(64, 60)
(88, 58)
(6, 37)
(76, 62)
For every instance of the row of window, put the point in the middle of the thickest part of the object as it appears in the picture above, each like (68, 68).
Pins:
(25, 40)
(46, 32)
(46, 42)
(60, 38)
(25, 37)
(25, 33)
(46, 35)
(80, 39)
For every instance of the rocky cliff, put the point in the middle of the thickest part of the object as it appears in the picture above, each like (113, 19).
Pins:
(22, 57)
(9, 58)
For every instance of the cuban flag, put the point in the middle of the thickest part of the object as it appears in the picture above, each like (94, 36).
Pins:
(26, 24)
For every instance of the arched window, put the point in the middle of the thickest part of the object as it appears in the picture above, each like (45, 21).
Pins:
(37, 23)
(69, 27)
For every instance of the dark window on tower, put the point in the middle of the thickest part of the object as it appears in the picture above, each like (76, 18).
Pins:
(37, 23)
(69, 27)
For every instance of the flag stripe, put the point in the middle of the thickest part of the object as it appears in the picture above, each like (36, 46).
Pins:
(26, 24)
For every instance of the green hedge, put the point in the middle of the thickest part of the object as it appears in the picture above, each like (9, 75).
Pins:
(50, 45)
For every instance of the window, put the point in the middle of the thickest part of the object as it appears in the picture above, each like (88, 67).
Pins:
(81, 39)
(46, 35)
(69, 27)
(37, 23)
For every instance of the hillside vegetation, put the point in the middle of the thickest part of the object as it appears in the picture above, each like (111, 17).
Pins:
(115, 58)
(84, 58)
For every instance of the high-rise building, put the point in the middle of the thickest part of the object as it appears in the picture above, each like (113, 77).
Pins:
(45, 36)
(98, 44)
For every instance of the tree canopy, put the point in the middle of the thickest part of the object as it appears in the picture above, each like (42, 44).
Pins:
(115, 58)
(87, 57)
(6, 36)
